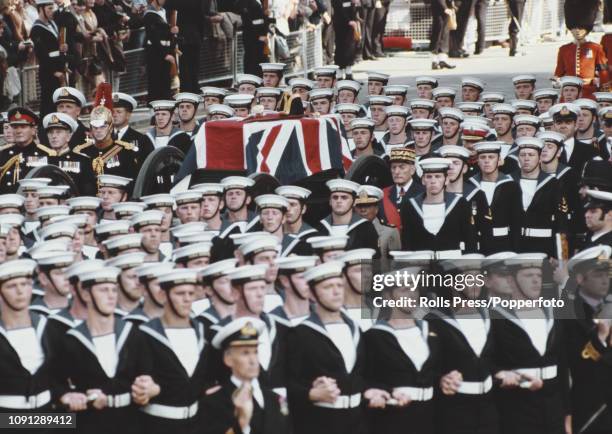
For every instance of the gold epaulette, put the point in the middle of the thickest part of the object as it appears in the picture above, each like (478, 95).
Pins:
(126, 145)
(564, 207)
(50, 152)
(6, 146)
(82, 146)
(589, 352)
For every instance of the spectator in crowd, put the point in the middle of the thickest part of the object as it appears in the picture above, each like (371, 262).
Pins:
(91, 68)
(16, 48)
(28, 11)
(112, 23)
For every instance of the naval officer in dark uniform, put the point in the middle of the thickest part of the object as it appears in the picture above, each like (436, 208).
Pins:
(123, 106)
(589, 269)
(242, 404)
(598, 210)
(71, 101)
(59, 127)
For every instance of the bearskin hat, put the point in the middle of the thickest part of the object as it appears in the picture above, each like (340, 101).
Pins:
(581, 14)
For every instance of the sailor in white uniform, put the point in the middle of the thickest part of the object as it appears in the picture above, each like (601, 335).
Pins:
(173, 354)
(25, 356)
(356, 263)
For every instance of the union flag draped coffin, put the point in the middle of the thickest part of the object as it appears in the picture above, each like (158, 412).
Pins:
(288, 148)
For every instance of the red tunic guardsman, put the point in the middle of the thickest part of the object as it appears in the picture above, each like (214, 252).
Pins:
(583, 58)
(606, 44)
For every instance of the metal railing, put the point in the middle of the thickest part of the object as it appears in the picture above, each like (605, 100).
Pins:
(412, 19)
(220, 60)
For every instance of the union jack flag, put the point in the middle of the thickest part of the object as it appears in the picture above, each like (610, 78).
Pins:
(288, 148)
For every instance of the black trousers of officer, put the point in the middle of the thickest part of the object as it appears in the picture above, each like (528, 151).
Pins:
(368, 31)
(158, 75)
(190, 66)
(48, 84)
(253, 54)
(380, 22)
(517, 8)
(480, 12)
(463, 16)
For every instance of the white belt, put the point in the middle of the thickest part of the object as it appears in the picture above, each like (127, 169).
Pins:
(17, 402)
(501, 232)
(256, 22)
(342, 402)
(537, 233)
(54, 54)
(476, 387)
(280, 391)
(170, 412)
(346, 4)
(448, 254)
(163, 43)
(416, 393)
(546, 373)
(117, 401)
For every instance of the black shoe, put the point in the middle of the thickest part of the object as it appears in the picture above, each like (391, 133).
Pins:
(435, 65)
(512, 53)
(478, 51)
(454, 54)
(349, 77)
(464, 54)
(446, 65)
